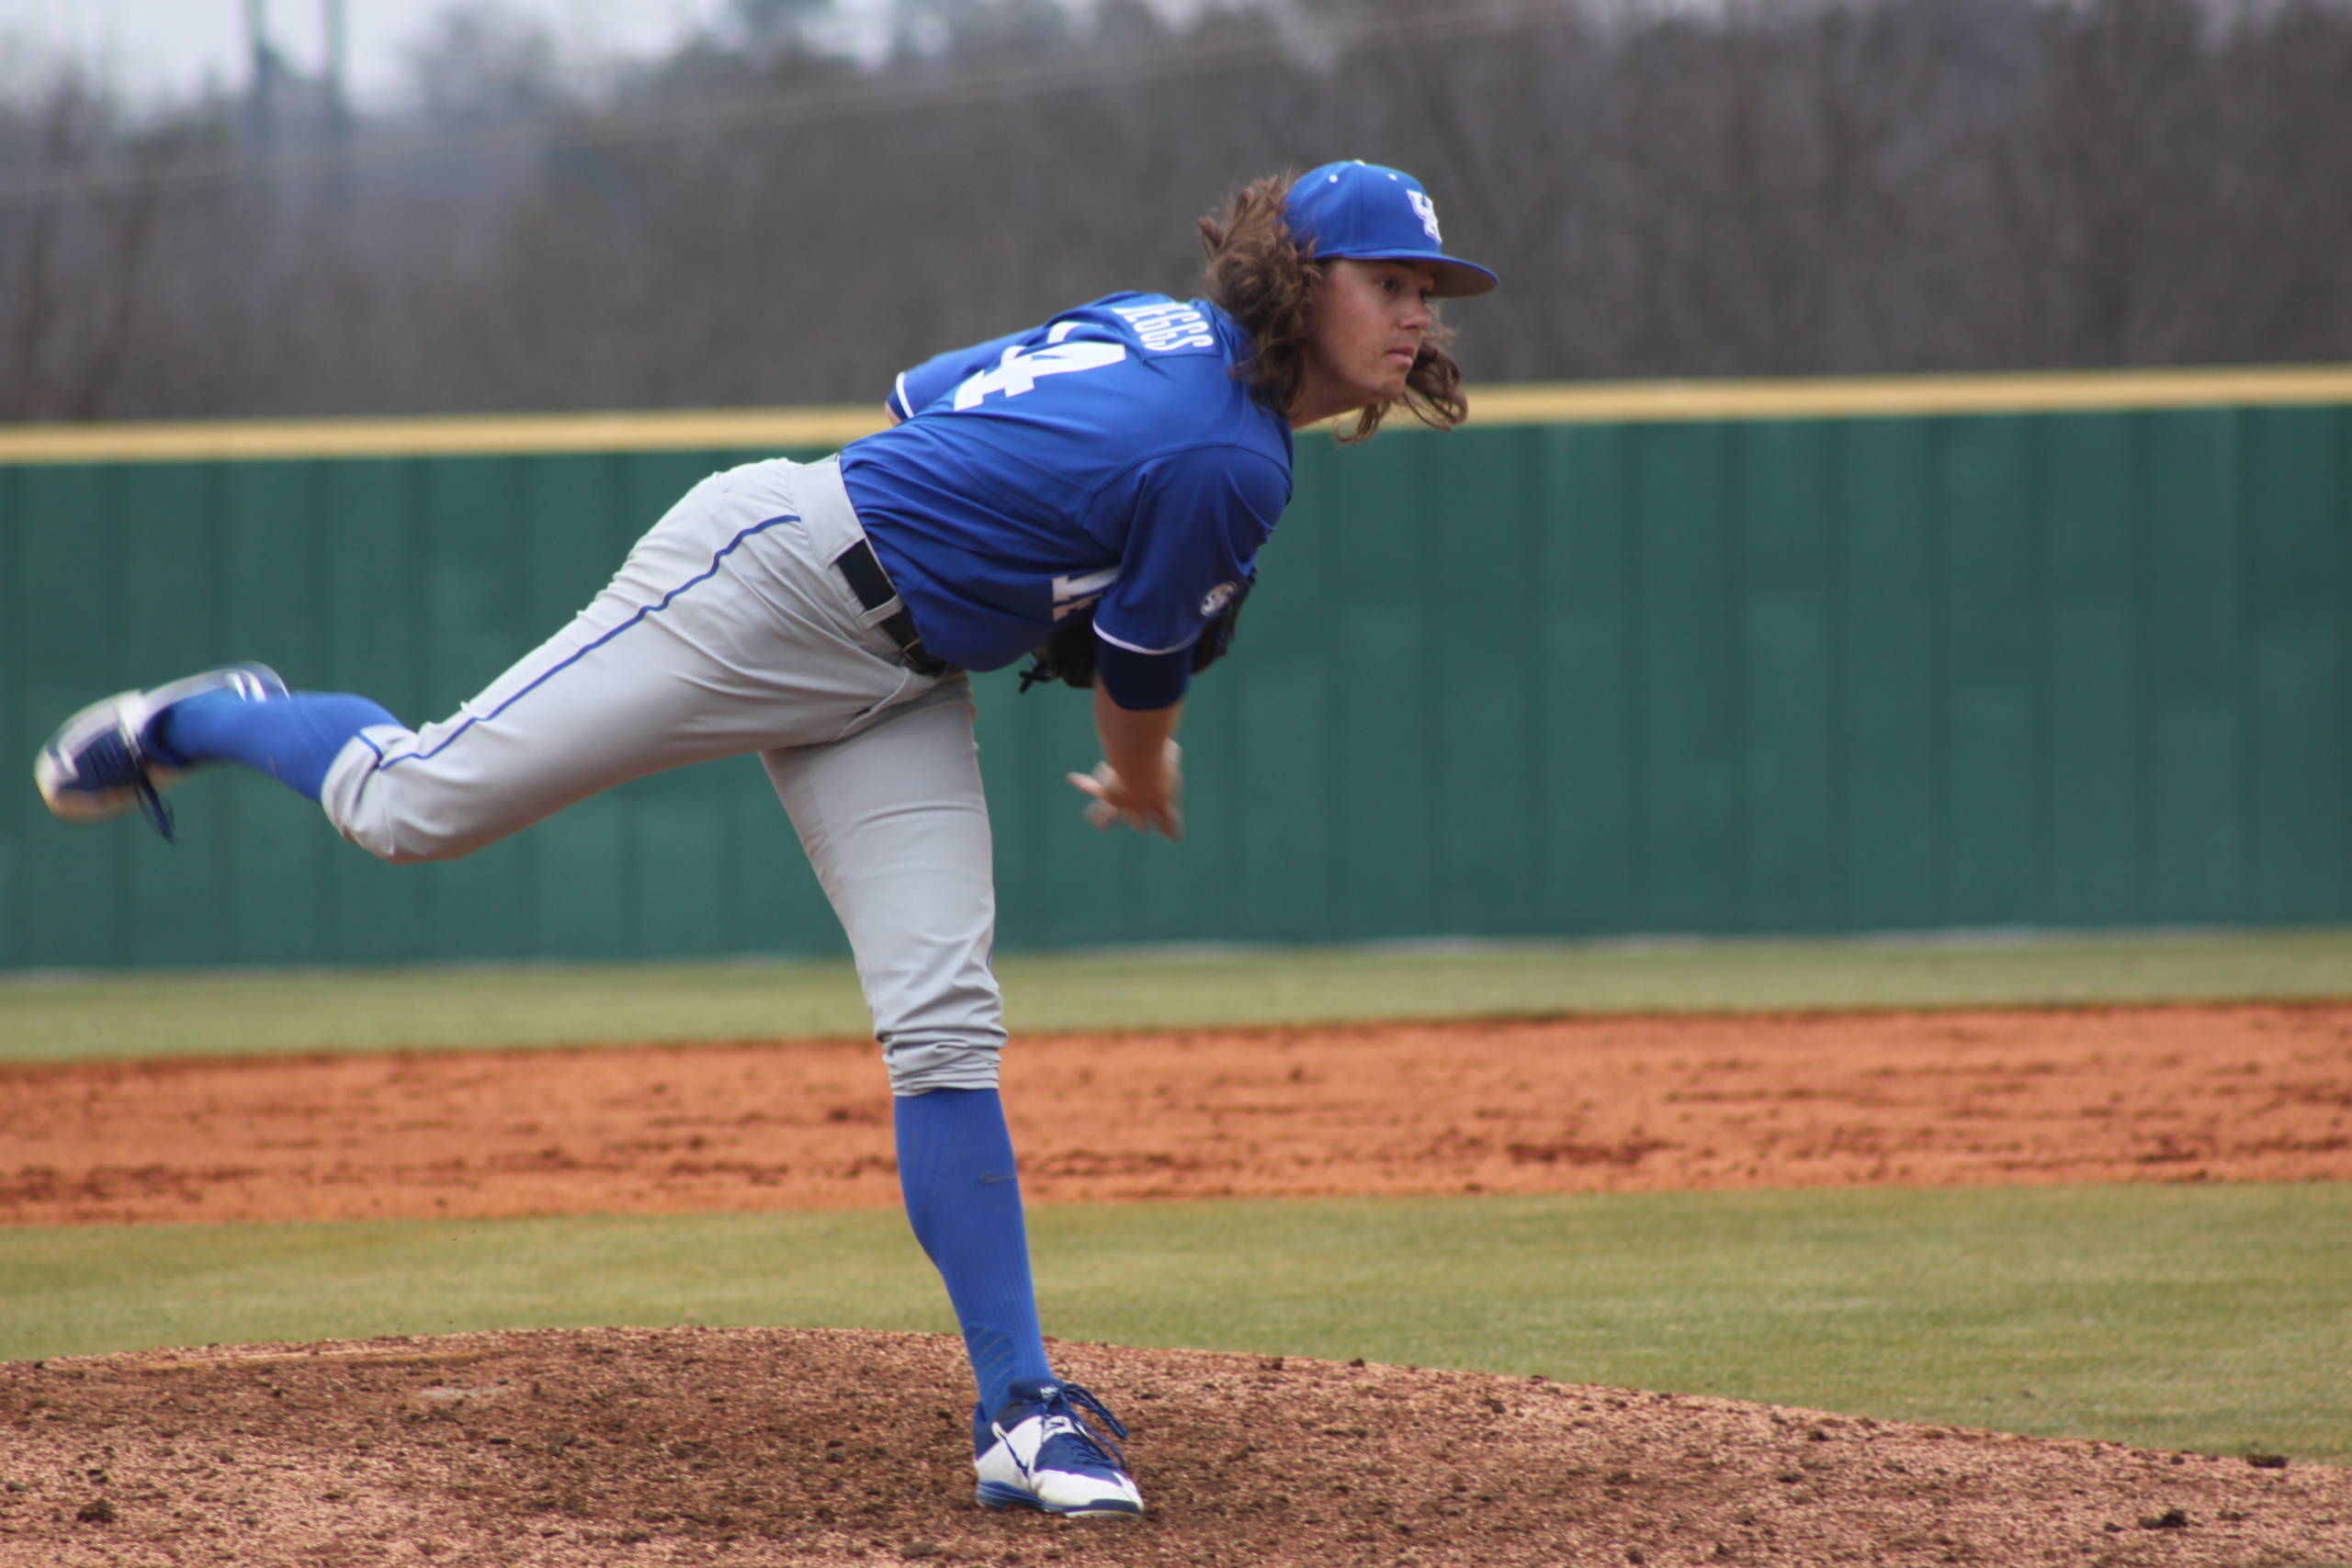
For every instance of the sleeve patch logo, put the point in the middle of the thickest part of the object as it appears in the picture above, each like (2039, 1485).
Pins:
(1217, 598)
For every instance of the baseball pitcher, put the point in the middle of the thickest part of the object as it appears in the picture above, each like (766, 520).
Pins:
(1095, 490)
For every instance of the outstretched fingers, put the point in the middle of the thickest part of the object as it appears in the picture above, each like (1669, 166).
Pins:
(1113, 801)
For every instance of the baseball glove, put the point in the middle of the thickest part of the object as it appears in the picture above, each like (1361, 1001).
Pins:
(1068, 655)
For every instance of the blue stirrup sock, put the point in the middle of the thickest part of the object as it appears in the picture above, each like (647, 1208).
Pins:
(292, 739)
(963, 1197)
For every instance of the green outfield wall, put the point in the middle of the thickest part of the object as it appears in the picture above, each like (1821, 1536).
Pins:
(2051, 652)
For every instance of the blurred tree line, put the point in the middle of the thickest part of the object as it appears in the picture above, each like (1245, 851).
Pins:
(1751, 187)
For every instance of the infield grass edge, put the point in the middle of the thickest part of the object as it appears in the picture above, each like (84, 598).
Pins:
(45, 1019)
(2167, 1316)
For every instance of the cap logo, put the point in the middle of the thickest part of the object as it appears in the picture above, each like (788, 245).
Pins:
(1427, 209)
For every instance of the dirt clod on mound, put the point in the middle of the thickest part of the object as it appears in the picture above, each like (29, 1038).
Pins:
(759, 1447)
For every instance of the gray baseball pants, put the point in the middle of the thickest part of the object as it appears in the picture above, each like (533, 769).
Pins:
(727, 630)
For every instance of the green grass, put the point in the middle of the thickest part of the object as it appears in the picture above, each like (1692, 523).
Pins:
(2204, 1318)
(225, 1013)
(2207, 1318)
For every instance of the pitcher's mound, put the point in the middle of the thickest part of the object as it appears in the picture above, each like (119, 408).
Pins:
(761, 1447)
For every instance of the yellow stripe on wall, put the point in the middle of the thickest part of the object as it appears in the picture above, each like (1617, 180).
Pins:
(454, 435)
(1894, 396)
(1551, 403)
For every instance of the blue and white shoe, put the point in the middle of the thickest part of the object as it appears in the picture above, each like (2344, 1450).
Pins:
(102, 762)
(1040, 1451)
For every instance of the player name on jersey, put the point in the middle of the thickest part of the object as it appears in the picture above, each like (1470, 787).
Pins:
(1169, 325)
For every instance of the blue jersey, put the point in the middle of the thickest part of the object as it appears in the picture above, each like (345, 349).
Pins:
(1108, 458)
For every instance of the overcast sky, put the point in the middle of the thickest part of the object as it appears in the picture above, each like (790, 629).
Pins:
(173, 47)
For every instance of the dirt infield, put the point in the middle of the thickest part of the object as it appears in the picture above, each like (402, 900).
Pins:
(751, 1447)
(759, 1448)
(2163, 1094)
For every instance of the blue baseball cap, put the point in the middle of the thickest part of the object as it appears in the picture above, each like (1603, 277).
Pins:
(1374, 212)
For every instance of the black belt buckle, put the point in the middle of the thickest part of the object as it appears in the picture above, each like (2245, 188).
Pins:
(863, 573)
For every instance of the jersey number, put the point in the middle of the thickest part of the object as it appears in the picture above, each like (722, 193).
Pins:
(1018, 371)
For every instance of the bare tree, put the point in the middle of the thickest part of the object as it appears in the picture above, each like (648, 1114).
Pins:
(73, 258)
(1755, 187)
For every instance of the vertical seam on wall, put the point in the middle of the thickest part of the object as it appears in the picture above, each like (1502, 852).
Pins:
(1836, 503)
(2340, 484)
(2142, 569)
(1427, 850)
(1429, 780)
(1440, 890)
(1551, 538)
(1733, 447)
(1638, 883)
(2041, 519)
(1525, 917)
(13, 883)
(1539, 914)
(1329, 650)
(1334, 590)
(2248, 767)
(416, 508)
(1319, 581)
(1942, 698)
(317, 589)
(107, 499)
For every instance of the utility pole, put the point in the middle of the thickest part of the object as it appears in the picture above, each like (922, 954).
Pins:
(335, 83)
(337, 38)
(262, 87)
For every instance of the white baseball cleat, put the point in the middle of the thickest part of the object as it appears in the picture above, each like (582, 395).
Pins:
(102, 762)
(1040, 1451)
